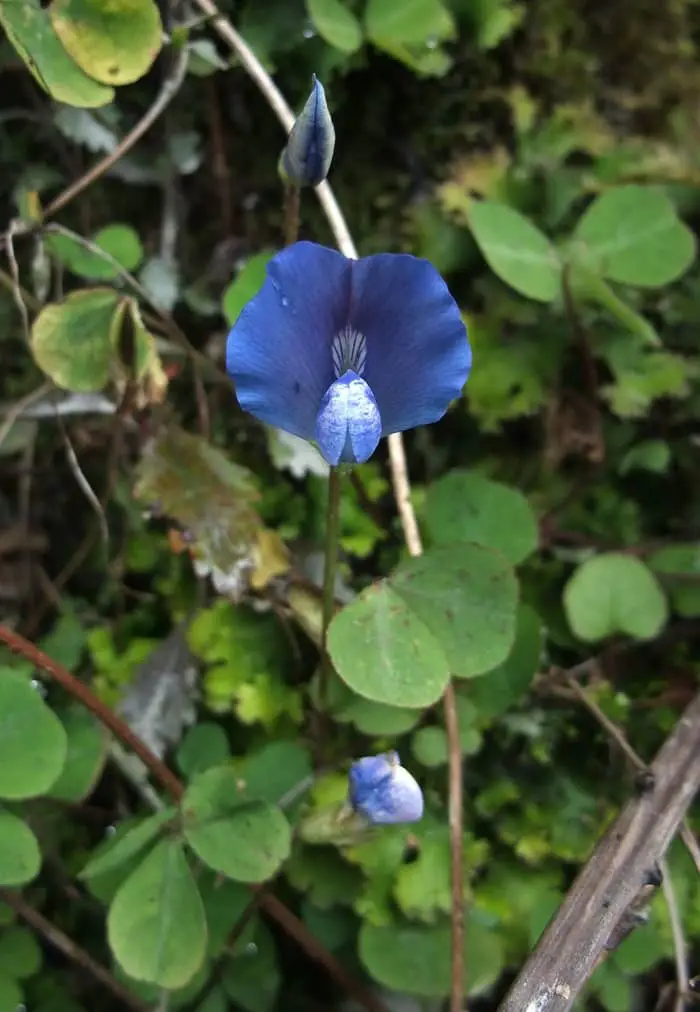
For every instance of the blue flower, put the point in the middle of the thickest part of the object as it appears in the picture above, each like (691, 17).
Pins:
(344, 352)
(383, 791)
(307, 157)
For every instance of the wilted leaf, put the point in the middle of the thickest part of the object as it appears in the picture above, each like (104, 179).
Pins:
(72, 341)
(114, 43)
(30, 31)
(211, 499)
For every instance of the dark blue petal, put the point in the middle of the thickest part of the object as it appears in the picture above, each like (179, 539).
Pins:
(383, 791)
(307, 157)
(418, 356)
(278, 352)
(348, 427)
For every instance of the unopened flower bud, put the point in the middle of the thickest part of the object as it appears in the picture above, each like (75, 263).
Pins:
(307, 157)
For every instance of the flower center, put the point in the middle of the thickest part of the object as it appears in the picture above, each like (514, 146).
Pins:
(349, 352)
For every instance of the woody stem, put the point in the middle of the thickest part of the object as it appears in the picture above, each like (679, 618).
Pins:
(329, 571)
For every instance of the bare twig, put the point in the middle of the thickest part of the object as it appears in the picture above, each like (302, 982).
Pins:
(679, 945)
(167, 779)
(70, 949)
(610, 727)
(19, 407)
(171, 86)
(606, 887)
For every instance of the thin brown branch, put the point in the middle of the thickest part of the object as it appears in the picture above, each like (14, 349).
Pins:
(170, 87)
(679, 944)
(70, 949)
(167, 780)
(607, 886)
(456, 818)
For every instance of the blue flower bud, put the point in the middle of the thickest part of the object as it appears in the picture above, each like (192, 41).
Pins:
(306, 159)
(383, 791)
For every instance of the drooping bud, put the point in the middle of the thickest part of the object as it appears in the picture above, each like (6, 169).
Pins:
(306, 159)
(383, 791)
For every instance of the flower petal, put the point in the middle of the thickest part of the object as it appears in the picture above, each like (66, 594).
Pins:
(348, 427)
(418, 355)
(383, 791)
(278, 351)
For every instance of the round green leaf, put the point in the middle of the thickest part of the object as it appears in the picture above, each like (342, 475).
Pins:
(20, 856)
(372, 718)
(410, 23)
(245, 840)
(247, 284)
(505, 685)
(273, 771)
(120, 241)
(204, 745)
(115, 43)
(416, 958)
(20, 955)
(615, 593)
(33, 743)
(467, 597)
(336, 24)
(72, 340)
(156, 925)
(29, 30)
(10, 993)
(86, 757)
(633, 235)
(516, 250)
(385, 652)
(464, 506)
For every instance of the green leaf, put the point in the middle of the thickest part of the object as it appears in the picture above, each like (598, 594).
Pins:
(408, 23)
(416, 959)
(20, 857)
(429, 744)
(20, 955)
(336, 24)
(115, 43)
(467, 596)
(273, 771)
(33, 743)
(252, 979)
(615, 593)
(204, 745)
(247, 284)
(505, 685)
(245, 840)
(225, 902)
(683, 561)
(10, 993)
(116, 853)
(464, 506)
(516, 250)
(156, 925)
(87, 753)
(120, 241)
(72, 340)
(632, 235)
(383, 651)
(29, 30)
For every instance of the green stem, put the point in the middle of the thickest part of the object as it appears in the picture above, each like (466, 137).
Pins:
(292, 204)
(329, 571)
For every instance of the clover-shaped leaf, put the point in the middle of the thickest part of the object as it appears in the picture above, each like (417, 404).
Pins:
(614, 593)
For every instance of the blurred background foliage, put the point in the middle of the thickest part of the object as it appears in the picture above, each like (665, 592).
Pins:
(165, 547)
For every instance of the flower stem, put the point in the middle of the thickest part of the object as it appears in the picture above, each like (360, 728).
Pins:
(329, 571)
(292, 204)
